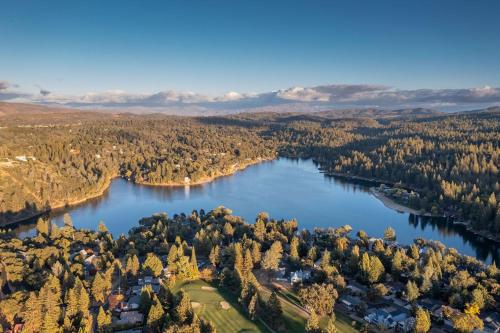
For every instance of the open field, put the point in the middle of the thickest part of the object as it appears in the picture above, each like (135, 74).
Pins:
(296, 318)
(226, 321)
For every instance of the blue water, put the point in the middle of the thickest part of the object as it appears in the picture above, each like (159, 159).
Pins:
(284, 188)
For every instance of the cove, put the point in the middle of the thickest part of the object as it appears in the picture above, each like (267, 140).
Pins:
(284, 188)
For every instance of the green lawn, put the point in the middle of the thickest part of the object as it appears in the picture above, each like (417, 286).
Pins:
(226, 321)
(235, 320)
(295, 321)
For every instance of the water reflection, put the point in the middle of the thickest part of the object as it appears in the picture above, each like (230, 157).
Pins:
(285, 189)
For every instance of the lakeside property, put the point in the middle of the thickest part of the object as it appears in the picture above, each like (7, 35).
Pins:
(212, 271)
(312, 198)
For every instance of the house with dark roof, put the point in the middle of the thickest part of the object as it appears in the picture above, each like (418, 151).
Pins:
(350, 302)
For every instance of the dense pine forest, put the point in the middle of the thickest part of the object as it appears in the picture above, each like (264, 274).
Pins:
(48, 166)
(447, 164)
(276, 278)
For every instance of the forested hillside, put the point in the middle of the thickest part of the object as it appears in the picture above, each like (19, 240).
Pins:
(450, 162)
(47, 166)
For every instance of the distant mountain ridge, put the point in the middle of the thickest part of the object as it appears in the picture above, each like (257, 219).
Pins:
(11, 111)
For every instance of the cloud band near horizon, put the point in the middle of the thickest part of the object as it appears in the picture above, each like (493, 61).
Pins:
(318, 97)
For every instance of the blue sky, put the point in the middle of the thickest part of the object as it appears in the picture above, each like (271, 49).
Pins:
(212, 47)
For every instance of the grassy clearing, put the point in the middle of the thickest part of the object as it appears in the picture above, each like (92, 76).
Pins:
(226, 321)
(235, 320)
(295, 320)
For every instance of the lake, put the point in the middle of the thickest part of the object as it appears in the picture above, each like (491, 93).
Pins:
(284, 188)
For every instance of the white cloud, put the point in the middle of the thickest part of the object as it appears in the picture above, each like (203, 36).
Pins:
(305, 98)
(303, 95)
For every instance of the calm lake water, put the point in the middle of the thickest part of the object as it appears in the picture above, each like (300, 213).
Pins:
(285, 189)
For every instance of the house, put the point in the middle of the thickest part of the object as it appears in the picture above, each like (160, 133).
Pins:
(115, 302)
(133, 303)
(357, 288)
(300, 276)
(130, 318)
(380, 317)
(89, 260)
(491, 322)
(350, 302)
(391, 317)
(430, 305)
(136, 290)
(406, 325)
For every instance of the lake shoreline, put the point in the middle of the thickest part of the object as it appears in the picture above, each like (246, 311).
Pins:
(392, 204)
(274, 186)
(107, 183)
(67, 204)
(205, 180)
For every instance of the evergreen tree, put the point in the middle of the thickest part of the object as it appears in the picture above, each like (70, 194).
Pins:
(43, 226)
(50, 297)
(253, 306)
(165, 295)
(183, 312)
(389, 234)
(272, 257)
(259, 230)
(132, 265)
(146, 299)
(152, 265)
(422, 321)
(32, 313)
(103, 321)
(238, 257)
(412, 291)
(228, 230)
(102, 227)
(256, 254)
(172, 255)
(99, 288)
(215, 255)
(294, 250)
(312, 325)
(397, 262)
(247, 263)
(155, 315)
(195, 274)
(371, 268)
(274, 311)
(467, 323)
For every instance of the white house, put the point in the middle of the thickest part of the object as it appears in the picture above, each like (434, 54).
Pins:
(300, 276)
